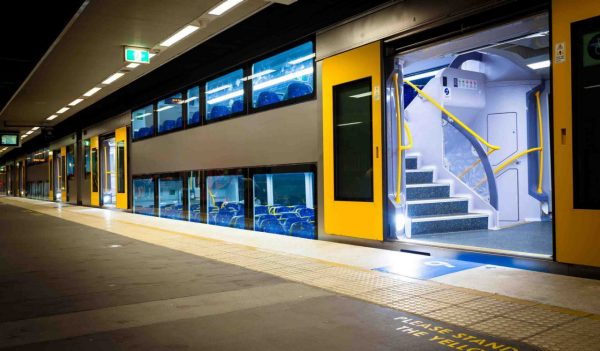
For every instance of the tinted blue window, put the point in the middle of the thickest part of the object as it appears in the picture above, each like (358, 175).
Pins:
(285, 76)
(194, 206)
(142, 122)
(170, 114)
(225, 95)
(225, 200)
(284, 204)
(193, 105)
(170, 198)
(143, 196)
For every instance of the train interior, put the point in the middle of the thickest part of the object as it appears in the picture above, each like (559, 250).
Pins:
(475, 133)
(108, 172)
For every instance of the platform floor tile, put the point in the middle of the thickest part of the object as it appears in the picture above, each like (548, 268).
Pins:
(502, 326)
(418, 305)
(459, 315)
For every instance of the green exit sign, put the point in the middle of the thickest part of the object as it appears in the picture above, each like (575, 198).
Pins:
(137, 55)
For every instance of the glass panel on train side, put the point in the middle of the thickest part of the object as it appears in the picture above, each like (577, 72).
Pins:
(225, 200)
(285, 76)
(193, 106)
(121, 167)
(194, 197)
(170, 114)
(143, 195)
(225, 95)
(284, 204)
(170, 197)
(86, 158)
(142, 123)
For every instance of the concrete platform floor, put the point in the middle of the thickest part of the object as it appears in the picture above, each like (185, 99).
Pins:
(68, 285)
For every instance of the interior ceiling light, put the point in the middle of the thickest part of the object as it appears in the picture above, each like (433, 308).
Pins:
(358, 96)
(302, 59)
(113, 77)
(51, 117)
(29, 132)
(75, 102)
(539, 65)
(422, 75)
(132, 65)
(62, 110)
(224, 7)
(180, 35)
(92, 91)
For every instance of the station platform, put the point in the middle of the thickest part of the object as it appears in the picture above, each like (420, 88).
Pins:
(85, 278)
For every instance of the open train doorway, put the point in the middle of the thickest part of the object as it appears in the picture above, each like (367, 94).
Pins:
(468, 140)
(108, 173)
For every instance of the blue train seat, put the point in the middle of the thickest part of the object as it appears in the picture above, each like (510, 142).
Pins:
(224, 218)
(266, 98)
(258, 210)
(166, 126)
(273, 226)
(237, 106)
(179, 122)
(303, 230)
(287, 225)
(306, 212)
(219, 111)
(195, 118)
(297, 89)
(238, 222)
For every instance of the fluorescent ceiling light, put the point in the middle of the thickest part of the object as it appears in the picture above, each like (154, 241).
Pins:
(539, 65)
(24, 136)
(272, 82)
(51, 117)
(358, 96)
(29, 132)
(151, 55)
(348, 124)
(92, 91)
(35, 128)
(164, 108)
(226, 97)
(143, 115)
(62, 110)
(190, 99)
(224, 87)
(75, 102)
(132, 65)
(113, 78)
(179, 35)
(224, 7)
(422, 75)
(302, 59)
(259, 74)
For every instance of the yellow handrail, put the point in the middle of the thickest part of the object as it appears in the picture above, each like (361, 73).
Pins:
(399, 138)
(509, 161)
(541, 147)
(449, 114)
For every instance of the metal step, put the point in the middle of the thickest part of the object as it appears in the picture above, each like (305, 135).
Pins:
(448, 223)
(435, 207)
(427, 191)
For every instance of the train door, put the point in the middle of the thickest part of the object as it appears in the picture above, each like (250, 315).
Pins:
(94, 171)
(108, 173)
(352, 161)
(576, 69)
(122, 198)
(474, 168)
(51, 176)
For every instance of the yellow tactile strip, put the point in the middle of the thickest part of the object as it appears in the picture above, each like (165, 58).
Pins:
(547, 327)
(544, 326)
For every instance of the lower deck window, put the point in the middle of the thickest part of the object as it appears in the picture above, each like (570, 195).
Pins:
(170, 197)
(225, 200)
(143, 195)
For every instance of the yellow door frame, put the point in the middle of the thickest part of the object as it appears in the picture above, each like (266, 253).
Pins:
(121, 135)
(63, 170)
(348, 218)
(94, 196)
(577, 239)
(50, 176)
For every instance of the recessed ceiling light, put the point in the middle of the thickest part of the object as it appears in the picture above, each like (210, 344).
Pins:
(92, 91)
(179, 35)
(224, 7)
(35, 128)
(64, 109)
(113, 77)
(75, 102)
(51, 117)
(132, 65)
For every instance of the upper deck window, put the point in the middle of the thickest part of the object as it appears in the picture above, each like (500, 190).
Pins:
(225, 95)
(142, 122)
(285, 76)
(170, 113)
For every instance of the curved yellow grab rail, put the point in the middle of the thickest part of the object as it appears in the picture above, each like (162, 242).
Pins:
(509, 161)
(452, 116)
(541, 147)
(399, 138)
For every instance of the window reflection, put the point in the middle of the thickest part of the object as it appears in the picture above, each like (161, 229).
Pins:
(170, 197)
(225, 95)
(170, 114)
(225, 200)
(142, 122)
(193, 105)
(194, 188)
(285, 76)
(284, 204)
(143, 196)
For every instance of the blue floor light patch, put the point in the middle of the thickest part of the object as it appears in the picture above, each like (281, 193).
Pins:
(428, 267)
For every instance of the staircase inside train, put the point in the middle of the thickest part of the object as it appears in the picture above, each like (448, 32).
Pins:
(468, 144)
